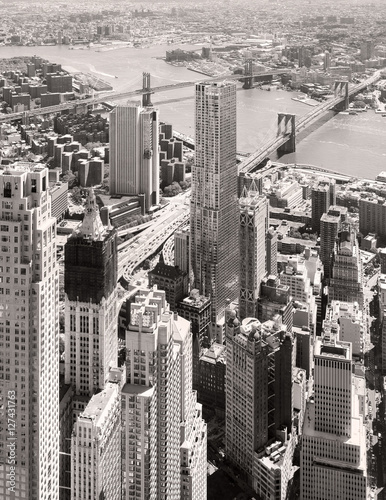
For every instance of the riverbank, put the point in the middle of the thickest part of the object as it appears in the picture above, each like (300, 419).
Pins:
(350, 144)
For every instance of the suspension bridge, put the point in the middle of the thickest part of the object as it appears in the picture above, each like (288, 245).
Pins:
(81, 105)
(288, 126)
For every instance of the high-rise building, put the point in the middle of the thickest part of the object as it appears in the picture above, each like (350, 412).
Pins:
(213, 206)
(275, 301)
(181, 249)
(252, 233)
(171, 279)
(367, 50)
(271, 252)
(90, 279)
(333, 453)
(259, 403)
(29, 337)
(327, 61)
(372, 216)
(96, 448)
(322, 196)
(164, 434)
(352, 324)
(329, 227)
(134, 158)
(346, 282)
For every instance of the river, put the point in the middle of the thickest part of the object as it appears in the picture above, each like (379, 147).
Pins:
(349, 144)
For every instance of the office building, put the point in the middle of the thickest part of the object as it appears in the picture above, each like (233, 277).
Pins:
(181, 249)
(196, 309)
(381, 287)
(367, 50)
(346, 282)
(333, 453)
(164, 449)
(29, 337)
(212, 376)
(275, 302)
(329, 227)
(259, 403)
(352, 323)
(96, 448)
(372, 216)
(134, 158)
(213, 205)
(171, 279)
(322, 196)
(252, 242)
(271, 252)
(91, 313)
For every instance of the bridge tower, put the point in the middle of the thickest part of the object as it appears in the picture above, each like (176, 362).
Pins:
(146, 101)
(248, 72)
(341, 90)
(286, 127)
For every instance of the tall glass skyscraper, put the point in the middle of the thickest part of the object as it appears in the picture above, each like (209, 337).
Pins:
(214, 208)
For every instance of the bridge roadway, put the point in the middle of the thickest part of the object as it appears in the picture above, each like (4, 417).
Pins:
(103, 96)
(133, 252)
(254, 160)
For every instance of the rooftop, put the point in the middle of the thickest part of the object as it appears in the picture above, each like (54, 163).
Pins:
(98, 406)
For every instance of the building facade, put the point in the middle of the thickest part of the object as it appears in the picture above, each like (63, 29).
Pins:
(90, 277)
(96, 448)
(213, 205)
(259, 403)
(29, 337)
(134, 158)
(333, 453)
(164, 449)
(346, 282)
(252, 242)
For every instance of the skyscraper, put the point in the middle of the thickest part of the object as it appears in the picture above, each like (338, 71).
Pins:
(213, 208)
(329, 226)
(333, 452)
(96, 448)
(322, 197)
(259, 403)
(271, 252)
(91, 303)
(164, 433)
(134, 158)
(346, 283)
(252, 233)
(29, 337)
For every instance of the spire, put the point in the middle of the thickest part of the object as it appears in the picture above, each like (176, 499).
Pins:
(92, 226)
(244, 194)
(253, 188)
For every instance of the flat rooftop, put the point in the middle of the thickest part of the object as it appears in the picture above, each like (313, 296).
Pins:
(98, 406)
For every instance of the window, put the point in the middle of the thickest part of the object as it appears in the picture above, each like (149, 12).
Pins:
(7, 190)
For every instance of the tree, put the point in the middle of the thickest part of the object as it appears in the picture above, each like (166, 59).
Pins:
(76, 196)
(71, 178)
(184, 185)
(172, 190)
(146, 264)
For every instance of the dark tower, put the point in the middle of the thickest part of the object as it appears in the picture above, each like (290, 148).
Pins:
(91, 260)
